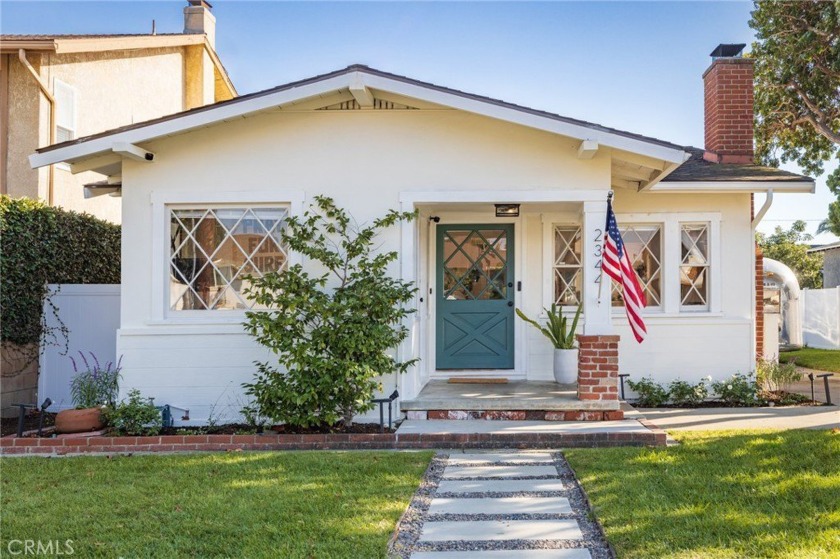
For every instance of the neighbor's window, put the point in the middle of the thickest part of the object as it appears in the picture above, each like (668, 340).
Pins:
(567, 265)
(694, 266)
(212, 250)
(65, 111)
(643, 244)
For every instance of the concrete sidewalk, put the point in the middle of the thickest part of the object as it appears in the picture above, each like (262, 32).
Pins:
(805, 417)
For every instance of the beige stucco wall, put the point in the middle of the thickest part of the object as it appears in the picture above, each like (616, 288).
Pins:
(113, 89)
(365, 159)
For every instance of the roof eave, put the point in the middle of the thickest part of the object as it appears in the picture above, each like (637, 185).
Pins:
(334, 82)
(729, 187)
(13, 46)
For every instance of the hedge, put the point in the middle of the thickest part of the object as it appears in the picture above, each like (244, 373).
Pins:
(42, 245)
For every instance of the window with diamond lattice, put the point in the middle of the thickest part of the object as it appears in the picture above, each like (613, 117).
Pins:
(643, 244)
(214, 250)
(694, 266)
(567, 265)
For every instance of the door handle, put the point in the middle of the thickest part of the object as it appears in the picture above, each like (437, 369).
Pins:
(510, 303)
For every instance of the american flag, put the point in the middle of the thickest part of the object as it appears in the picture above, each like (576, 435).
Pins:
(617, 265)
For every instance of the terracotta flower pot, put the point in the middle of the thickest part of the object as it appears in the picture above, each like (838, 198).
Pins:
(79, 421)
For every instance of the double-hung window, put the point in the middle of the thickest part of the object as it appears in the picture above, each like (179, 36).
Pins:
(214, 250)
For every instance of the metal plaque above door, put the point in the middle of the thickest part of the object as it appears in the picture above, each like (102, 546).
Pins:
(475, 297)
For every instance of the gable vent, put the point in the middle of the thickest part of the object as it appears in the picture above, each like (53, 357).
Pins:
(379, 104)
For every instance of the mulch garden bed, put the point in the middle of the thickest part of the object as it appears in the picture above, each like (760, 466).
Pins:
(9, 425)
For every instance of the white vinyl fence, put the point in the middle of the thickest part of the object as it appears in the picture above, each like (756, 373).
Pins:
(91, 315)
(821, 317)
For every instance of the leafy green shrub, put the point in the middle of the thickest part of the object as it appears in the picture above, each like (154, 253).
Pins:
(42, 245)
(331, 344)
(685, 394)
(739, 390)
(774, 376)
(95, 385)
(650, 394)
(135, 416)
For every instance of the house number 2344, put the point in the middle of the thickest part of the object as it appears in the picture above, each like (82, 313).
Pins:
(598, 253)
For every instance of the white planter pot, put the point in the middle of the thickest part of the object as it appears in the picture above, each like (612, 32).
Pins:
(566, 366)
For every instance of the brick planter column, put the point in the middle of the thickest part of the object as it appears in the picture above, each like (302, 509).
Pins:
(597, 367)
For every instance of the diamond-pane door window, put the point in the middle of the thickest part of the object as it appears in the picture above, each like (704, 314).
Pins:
(694, 266)
(643, 243)
(567, 265)
(474, 264)
(212, 251)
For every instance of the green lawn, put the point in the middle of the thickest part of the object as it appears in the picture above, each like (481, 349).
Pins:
(266, 504)
(720, 494)
(820, 359)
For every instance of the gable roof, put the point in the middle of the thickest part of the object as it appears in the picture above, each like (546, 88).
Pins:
(358, 76)
(666, 157)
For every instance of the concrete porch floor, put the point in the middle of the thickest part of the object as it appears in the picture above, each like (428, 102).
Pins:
(523, 395)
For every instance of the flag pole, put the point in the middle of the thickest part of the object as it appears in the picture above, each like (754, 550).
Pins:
(604, 277)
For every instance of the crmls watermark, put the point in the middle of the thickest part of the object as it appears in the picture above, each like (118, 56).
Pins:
(40, 547)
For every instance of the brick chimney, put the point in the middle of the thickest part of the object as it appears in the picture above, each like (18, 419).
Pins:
(199, 19)
(728, 88)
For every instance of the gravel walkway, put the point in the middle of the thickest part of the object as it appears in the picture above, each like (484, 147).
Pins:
(524, 505)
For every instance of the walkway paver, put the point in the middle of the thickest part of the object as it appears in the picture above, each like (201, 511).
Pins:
(501, 505)
(567, 553)
(495, 530)
(494, 471)
(501, 486)
(502, 458)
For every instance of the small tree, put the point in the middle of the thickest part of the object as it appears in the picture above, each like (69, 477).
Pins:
(332, 339)
(797, 88)
(788, 247)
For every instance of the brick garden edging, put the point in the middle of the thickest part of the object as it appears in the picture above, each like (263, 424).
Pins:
(349, 441)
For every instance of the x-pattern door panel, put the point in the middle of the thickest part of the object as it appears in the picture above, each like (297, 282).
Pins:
(475, 317)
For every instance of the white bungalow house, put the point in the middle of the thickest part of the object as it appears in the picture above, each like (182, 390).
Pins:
(511, 205)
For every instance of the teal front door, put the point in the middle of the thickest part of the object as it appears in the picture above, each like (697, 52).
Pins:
(475, 297)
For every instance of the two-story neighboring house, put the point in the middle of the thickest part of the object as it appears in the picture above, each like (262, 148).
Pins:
(55, 88)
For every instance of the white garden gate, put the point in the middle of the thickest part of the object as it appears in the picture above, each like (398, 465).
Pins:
(91, 315)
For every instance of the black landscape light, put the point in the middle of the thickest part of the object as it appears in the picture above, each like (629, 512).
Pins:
(382, 401)
(622, 377)
(827, 388)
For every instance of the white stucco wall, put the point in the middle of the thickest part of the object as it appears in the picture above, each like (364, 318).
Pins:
(364, 159)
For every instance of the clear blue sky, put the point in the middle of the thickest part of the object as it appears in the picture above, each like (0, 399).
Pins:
(636, 66)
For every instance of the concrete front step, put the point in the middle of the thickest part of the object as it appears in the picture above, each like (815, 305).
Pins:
(500, 530)
(573, 414)
(501, 505)
(565, 553)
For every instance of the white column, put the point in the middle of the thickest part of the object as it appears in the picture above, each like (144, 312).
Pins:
(596, 307)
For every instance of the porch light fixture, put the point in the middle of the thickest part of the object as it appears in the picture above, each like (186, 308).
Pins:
(507, 210)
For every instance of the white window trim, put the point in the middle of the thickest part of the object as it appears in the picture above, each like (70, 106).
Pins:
(671, 258)
(707, 306)
(161, 201)
(61, 83)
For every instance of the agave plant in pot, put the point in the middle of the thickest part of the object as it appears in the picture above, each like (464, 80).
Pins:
(93, 387)
(562, 336)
